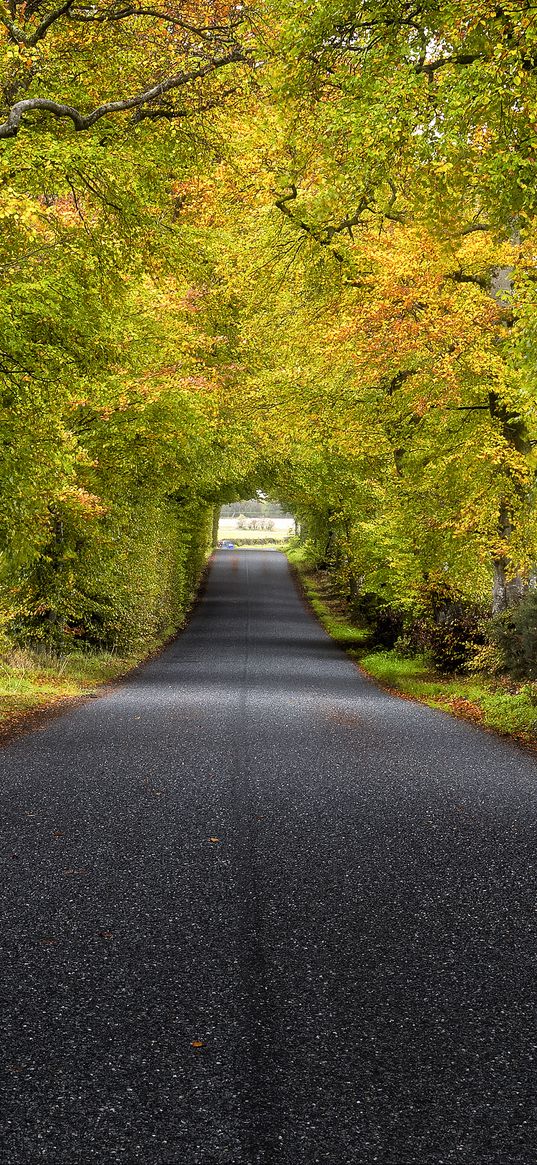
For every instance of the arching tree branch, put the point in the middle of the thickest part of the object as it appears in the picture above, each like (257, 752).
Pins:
(95, 15)
(30, 41)
(92, 14)
(460, 276)
(83, 121)
(431, 67)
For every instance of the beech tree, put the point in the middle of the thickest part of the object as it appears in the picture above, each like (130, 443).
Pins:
(150, 61)
(289, 247)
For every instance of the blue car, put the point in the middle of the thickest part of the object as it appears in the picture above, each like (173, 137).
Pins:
(224, 545)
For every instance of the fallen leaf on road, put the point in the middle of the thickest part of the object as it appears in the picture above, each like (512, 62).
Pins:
(213, 839)
(196, 1044)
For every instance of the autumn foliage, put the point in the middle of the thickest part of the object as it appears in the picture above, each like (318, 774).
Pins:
(289, 247)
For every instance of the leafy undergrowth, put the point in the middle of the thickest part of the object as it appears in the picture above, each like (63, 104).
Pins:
(36, 680)
(32, 680)
(493, 702)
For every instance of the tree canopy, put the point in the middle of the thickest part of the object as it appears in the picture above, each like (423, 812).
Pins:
(287, 247)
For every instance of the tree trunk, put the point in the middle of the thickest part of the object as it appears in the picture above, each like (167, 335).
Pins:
(506, 591)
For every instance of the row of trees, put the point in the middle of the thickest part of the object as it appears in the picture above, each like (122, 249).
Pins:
(111, 416)
(405, 297)
(253, 508)
(289, 247)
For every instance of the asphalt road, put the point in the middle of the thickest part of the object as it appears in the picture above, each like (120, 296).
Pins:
(355, 955)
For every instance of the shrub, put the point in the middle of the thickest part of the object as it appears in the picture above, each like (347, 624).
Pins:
(487, 658)
(529, 692)
(452, 642)
(406, 646)
(514, 632)
(386, 622)
(124, 583)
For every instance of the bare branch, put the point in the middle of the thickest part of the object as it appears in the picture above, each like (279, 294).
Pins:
(82, 121)
(346, 224)
(15, 32)
(52, 17)
(528, 64)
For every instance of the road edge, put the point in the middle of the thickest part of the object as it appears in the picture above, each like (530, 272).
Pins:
(29, 720)
(525, 743)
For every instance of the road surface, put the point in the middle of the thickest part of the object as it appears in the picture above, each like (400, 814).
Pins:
(255, 910)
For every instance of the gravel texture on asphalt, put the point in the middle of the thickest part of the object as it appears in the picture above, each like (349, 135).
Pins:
(256, 910)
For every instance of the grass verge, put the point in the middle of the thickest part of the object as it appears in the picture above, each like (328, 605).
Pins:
(31, 680)
(35, 681)
(493, 702)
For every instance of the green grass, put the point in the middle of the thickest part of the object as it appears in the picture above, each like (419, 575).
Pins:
(485, 700)
(33, 679)
(348, 635)
(493, 702)
(40, 677)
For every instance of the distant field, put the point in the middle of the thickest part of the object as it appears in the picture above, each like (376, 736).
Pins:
(228, 528)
